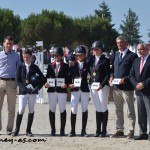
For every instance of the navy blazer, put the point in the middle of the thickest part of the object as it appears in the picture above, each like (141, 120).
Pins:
(74, 72)
(144, 77)
(21, 77)
(102, 70)
(121, 69)
(63, 73)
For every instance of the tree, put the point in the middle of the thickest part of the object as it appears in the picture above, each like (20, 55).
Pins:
(130, 28)
(9, 25)
(103, 12)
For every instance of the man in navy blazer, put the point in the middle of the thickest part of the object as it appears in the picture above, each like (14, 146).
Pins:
(140, 78)
(124, 91)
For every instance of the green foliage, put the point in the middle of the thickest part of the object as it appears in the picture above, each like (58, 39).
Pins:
(103, 11)
(55, 28)
(130, 27)
(9, 25)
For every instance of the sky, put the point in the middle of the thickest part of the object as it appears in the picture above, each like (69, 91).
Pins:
(82, 8)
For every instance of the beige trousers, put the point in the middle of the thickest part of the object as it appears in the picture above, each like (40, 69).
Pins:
(9, 89)
(120, 97)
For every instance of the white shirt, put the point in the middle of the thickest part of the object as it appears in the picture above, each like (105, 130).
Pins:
(80, 65)
(27, 67)
(96, 60)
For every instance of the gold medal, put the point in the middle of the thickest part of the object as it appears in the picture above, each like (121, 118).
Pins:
(27, 81)
(94, 73)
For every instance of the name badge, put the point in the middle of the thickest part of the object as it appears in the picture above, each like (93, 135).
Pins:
(95, 85)
(60, 82)
(29, 86)
(77, 82)
(51, 82)
(116, 81)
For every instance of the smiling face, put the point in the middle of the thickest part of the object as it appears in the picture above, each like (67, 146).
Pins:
(27, 58)
(142, 50)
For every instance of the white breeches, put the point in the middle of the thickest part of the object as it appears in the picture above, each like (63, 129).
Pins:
(24, 99)
(75, 97)
(100, 98)
(55, 97)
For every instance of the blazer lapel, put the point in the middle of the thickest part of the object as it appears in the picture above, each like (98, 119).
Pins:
(146, 63)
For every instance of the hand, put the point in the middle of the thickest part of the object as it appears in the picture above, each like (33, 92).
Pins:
(35, 90)
(47, 85)
(64, 86)
(139, 86)
(122, 81)
(72, 86)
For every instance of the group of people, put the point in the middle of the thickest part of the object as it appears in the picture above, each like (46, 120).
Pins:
(130, 71)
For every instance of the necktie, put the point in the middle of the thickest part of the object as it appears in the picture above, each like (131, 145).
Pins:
(141, 64)
(120, 57)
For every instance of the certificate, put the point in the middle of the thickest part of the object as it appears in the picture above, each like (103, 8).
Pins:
(60, 82)
(29, 86)
(77, 82)
(51, 82)
(95, 85)
(116, 81)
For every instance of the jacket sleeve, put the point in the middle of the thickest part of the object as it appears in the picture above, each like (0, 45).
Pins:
(107, 70)
(19, 79)
(132, 76)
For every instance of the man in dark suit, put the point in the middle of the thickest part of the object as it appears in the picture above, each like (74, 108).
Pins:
(124, 90)
(140, 78)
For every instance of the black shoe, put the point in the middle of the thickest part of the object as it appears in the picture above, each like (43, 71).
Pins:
(29, 134)
(62, 133)
(102, 135)
(84, 134)
(52, 134)
(9, 132)
(71, 134)
(142, 137)
(97, 135)
(15, 133)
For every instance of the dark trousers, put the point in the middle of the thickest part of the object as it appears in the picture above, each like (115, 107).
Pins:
(143, 105)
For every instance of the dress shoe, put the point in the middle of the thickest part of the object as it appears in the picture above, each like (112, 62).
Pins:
(117, 134)
(130, 135)
(142, 137)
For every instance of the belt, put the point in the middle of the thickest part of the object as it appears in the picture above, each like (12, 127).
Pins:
(8, 79)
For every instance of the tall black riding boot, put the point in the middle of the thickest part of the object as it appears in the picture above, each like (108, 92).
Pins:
(73, 124)
(84, 123)
(29, 124)
(98, 124)
(18, 123)
(52, 122)
(104, 123)
(63, 123)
